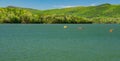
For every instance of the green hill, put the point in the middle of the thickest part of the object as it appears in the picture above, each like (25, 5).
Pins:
(104, 13)
(104, 10)
(34, 11)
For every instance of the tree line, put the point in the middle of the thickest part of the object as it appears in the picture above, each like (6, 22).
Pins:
(18, 15)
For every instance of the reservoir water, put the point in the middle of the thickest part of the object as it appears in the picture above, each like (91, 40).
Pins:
(53, 42)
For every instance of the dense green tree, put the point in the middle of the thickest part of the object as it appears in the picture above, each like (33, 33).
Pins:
(104, 13)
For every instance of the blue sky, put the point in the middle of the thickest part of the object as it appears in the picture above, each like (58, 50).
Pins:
(50, 4)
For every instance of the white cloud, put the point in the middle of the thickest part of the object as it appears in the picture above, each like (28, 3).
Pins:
(92, 4)
(67, 6)
(64, 6)
(95, 3)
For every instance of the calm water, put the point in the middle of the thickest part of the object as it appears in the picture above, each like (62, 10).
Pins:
(54, 43)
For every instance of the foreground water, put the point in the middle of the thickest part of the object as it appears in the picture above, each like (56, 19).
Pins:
(54, 43)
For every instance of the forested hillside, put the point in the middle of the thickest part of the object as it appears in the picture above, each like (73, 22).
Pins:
(104, 13)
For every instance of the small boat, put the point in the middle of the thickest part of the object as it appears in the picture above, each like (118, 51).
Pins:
(65, 27)
(111, 30)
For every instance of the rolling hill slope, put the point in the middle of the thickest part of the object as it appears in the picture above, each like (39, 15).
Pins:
(104, 13)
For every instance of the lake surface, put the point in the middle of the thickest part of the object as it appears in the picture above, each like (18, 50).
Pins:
(81, 42)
